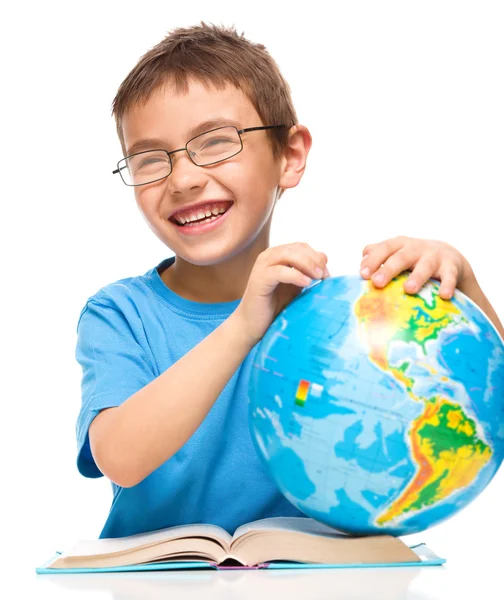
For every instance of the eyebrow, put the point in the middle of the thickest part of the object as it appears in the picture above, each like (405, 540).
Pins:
(158, 143)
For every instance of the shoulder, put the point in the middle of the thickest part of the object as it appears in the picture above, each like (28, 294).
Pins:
(124, 295)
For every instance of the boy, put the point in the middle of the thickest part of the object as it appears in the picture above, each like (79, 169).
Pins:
(210, 139)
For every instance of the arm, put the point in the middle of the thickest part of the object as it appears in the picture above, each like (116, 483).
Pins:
(471, 288)
(130, 441)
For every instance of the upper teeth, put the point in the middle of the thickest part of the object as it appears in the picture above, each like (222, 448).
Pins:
(200, 214)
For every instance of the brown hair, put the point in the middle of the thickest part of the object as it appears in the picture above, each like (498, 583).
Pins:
(213, 55)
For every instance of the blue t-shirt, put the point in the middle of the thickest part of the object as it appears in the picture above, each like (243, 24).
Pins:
(129, 333)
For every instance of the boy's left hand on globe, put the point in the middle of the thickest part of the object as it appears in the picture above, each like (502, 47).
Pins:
(381, 262)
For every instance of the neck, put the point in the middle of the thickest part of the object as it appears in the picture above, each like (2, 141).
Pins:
(222, 282)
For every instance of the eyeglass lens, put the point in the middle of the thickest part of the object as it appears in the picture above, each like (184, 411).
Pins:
(207, 148)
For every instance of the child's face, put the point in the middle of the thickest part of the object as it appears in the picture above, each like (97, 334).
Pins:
(250, 179)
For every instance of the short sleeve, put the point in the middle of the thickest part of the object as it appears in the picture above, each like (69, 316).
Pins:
(114, 364)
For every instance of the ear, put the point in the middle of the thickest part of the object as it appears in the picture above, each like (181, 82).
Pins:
(293, 161)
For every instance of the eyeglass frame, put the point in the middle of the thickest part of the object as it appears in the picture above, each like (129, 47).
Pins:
(239, 132)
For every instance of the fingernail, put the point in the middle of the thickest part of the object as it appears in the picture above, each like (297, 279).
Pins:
(319, 272)
(365, 272)
(379, 279)
(326, 273)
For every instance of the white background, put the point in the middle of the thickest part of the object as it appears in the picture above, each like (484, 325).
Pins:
(405, 104)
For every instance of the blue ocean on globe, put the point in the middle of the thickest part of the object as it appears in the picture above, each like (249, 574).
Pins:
(376, 411)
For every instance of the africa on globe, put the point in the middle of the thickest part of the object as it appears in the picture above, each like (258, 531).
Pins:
(376, 411)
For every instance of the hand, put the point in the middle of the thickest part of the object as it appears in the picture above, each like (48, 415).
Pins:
(425, 258)
(276, 279)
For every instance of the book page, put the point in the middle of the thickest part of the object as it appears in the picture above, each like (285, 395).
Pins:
(301, 524)
(302, 539)
(124, 544)
(172, 550)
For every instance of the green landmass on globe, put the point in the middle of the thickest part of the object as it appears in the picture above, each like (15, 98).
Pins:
(443, 432)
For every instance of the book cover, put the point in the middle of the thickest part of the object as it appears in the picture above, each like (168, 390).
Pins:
(426, 555)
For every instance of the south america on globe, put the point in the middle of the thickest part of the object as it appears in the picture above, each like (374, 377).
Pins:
(377, 411)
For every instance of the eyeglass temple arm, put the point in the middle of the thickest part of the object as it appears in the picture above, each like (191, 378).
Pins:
(259, 128)
(119, 169)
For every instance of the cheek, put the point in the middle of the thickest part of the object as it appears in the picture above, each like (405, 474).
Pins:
(234, 176)
(269, 169)
(148, 198)
(252, 174)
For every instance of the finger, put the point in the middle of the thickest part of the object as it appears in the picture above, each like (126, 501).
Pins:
(425, 268)
(397, 263)
(367, 250)
(300, 256)
(378, 254)
(283, 274)
(448, 274)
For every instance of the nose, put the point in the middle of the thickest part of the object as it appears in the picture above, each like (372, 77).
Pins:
(185, 175)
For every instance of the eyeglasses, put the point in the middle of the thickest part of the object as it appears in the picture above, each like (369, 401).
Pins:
(206, 149)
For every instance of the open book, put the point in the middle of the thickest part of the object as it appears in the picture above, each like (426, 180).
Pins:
(295, 539)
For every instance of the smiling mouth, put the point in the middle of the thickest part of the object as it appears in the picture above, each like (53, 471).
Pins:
(202, 220)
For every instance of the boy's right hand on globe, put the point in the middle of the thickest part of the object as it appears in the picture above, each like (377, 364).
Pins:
(277, 277)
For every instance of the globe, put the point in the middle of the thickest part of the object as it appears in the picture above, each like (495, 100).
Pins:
(376, 411)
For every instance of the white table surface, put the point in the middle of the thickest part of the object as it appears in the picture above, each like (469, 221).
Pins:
(457, 579)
